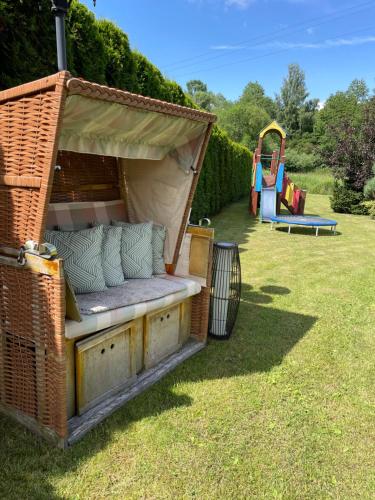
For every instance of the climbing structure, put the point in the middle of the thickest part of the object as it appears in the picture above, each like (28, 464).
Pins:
(270, 190)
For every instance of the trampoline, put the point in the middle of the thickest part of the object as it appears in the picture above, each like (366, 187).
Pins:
(301, 220)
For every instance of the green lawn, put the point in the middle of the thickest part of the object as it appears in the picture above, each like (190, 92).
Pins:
(284, 409)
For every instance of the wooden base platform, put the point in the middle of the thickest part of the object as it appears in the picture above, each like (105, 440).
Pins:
(80, 425)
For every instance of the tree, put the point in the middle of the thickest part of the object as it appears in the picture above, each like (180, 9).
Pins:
(359, 89)
(203, 97)
(353, 155)
(291, 99)
(194, 86)
(307, 115)
(340, 110)
(254, 94)
(243, 122)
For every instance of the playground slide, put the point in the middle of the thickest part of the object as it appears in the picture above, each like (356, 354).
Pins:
(268, 203)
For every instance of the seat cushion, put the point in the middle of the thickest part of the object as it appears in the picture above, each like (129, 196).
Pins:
(131, 292)
(110, 317)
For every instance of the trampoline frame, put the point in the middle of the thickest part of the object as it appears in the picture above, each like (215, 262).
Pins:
(289, 221)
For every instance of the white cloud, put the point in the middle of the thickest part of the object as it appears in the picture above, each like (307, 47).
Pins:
(326, 44)
(321, 105)
(227, 47)
(310, 31)
(242, 4)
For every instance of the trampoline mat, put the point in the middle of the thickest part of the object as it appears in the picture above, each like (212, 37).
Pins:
(304, 220)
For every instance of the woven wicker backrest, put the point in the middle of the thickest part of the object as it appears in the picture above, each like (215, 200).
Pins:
(30, 116)
(85, 177)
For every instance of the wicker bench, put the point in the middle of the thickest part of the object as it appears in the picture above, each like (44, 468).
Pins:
(64, 140)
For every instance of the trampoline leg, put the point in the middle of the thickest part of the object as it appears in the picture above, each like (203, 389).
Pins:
(288, 229)
(317, 231)
(271, 226)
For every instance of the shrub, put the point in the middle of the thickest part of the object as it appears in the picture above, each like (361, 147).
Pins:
(296, 161)
(369, 189)
(120, 68)
(370, 207)
(345, 200)
(87, 53)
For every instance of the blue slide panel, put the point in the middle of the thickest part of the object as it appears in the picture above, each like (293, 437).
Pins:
(258, 178)
(279, 178)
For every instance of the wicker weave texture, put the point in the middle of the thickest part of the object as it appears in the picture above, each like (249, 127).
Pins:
(85, 177)
(28, 129)
(32, 347)
(200, 310)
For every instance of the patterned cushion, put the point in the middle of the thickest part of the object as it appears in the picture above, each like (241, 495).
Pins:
(111, 257)
(158, 239)
(136, 249)
(81, 251)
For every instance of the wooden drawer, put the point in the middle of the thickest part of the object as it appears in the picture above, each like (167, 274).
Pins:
(105, 363)
(162, 335)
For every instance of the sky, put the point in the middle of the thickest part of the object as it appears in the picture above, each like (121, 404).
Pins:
(227, 43)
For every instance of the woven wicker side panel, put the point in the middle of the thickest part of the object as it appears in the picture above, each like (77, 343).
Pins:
(200, 310)
(27, 142)
(85, 177)
(32, 348)
(18, 215)
(200, 314)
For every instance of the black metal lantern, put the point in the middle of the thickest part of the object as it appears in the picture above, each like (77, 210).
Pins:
(225, 289)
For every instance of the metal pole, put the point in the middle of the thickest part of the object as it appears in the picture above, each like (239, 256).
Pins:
(60, 9)
(61, 42)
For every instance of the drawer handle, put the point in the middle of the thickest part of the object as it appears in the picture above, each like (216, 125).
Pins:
(161, 319)
(112, 346)
(102, 351)
(168, 316)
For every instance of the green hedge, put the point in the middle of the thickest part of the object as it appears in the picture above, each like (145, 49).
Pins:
(225, 176)
(99, 51)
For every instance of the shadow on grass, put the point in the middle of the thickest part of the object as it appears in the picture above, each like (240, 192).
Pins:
(310, 231)
(263, 337)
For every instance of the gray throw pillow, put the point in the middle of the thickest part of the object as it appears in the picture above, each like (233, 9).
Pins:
(136, 249)
(111, 257)
(81, 251)
(158, 239)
